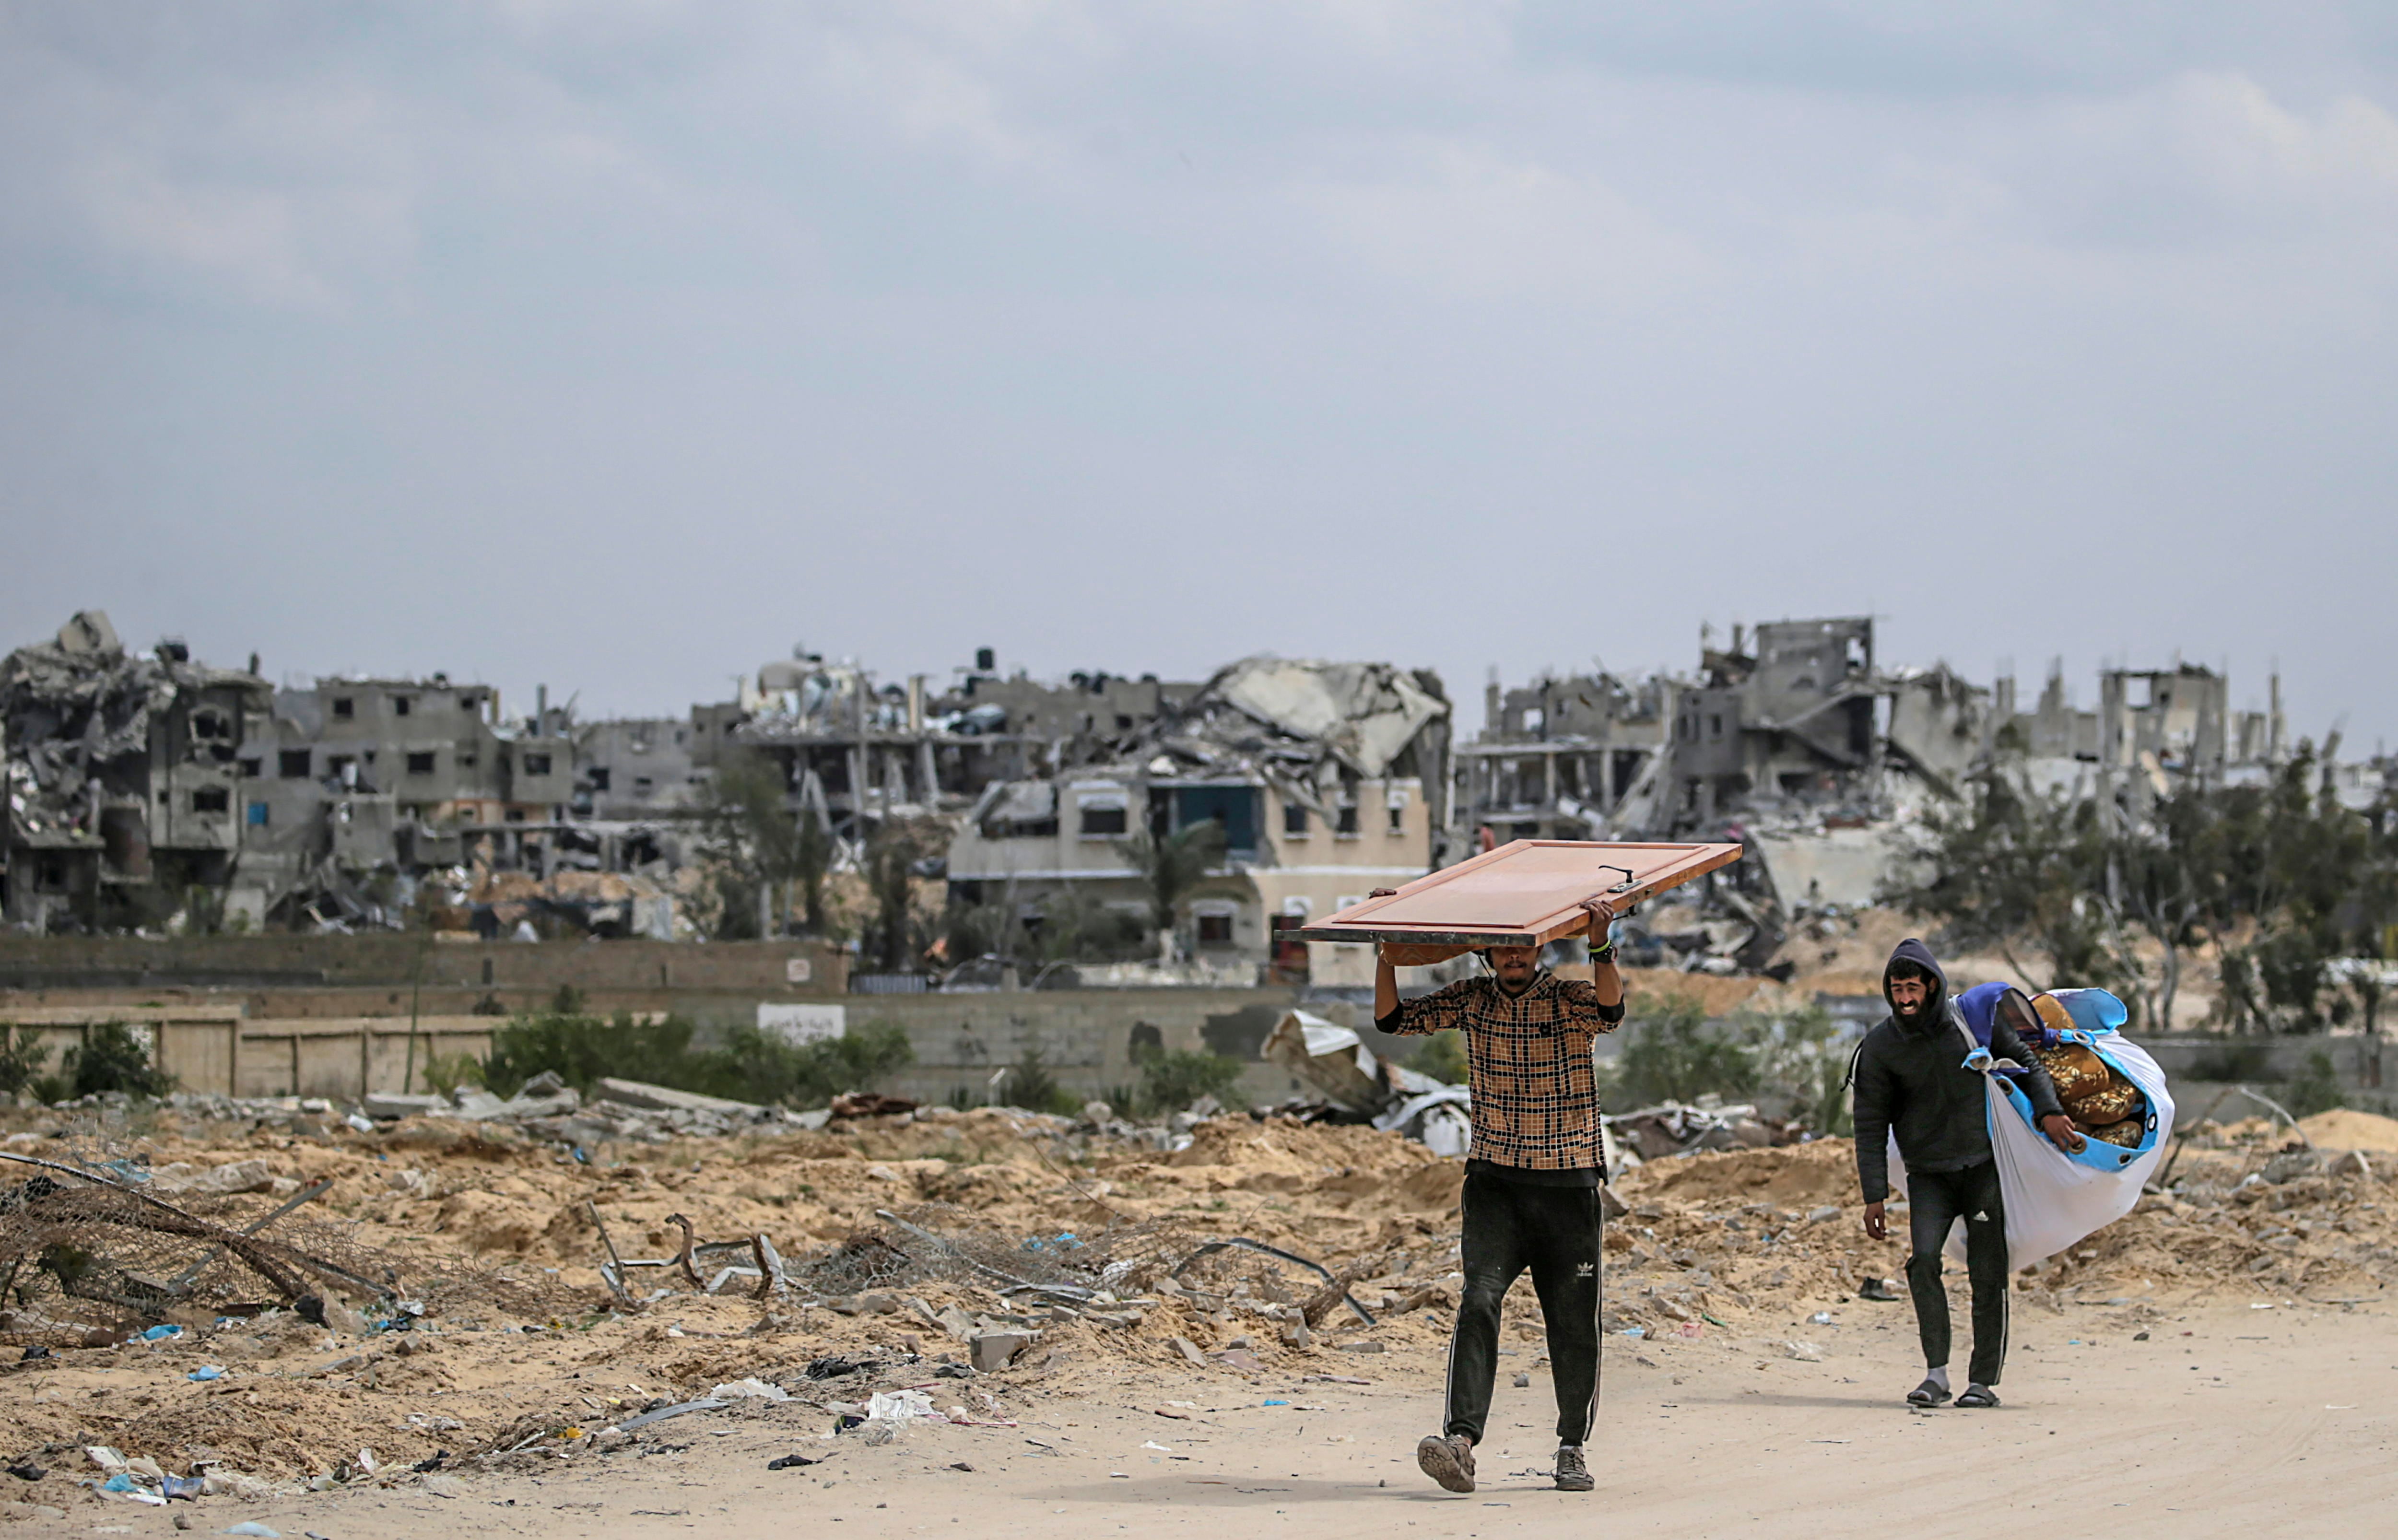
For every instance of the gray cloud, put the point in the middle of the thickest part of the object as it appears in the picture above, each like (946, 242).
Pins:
(620, 346)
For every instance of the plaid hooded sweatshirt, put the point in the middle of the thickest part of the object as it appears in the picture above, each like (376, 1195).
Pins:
(1535, 1095)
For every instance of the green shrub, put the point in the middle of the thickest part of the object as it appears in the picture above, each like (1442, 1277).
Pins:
(1444, 1058)
(111, 1058)
(1672, 1054)
(2316, 1089)
(1170, 1082)
(581, 1050)
(23, 1060)
(751, 1066)
(444, 1072)
(758, 1066)
(1031, 1087)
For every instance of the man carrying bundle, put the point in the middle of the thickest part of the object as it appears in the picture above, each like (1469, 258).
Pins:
(1912, 1082)
(1531, 1186)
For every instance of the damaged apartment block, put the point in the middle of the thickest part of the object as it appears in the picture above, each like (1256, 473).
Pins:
(1323, 781)
(124, 778)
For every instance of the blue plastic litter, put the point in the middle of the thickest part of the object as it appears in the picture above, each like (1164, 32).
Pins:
(206, 1371)
(160, 1333)
(119, 1482)
(183, 1488)
(1273, 1403)
(1634, 1331)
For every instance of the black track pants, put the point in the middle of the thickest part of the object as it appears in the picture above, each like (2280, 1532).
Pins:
(1935, 1200)
(1552, 1231)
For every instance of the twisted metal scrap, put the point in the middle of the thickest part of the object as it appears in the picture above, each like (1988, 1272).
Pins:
(279, 1264)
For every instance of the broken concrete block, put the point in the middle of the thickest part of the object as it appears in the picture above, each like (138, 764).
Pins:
(1296, 1334)
(240, 1176)
(391, 1104)
(640, 1093)
(996, 1350)
(2351, 1164)
(1610, 1206)
(1189, 1351)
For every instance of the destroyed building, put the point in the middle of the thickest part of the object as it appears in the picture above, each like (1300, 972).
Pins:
(356, 779)
(1327, 781)
(852, 751)
(1794, 713)
(124, 774)
(1796, 740)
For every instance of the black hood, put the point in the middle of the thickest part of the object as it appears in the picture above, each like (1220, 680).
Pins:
(1913, 950)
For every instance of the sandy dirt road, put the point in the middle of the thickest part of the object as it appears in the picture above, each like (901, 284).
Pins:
(2224, 1421)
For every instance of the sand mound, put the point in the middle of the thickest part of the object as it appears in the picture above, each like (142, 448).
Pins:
(2344, 1128)
(1801, 1175)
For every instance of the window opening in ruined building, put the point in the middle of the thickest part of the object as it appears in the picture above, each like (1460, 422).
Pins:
(516, 814)
(643, 785)
(1214, 929)
(537, 764)
(1348, 824)
(258, 815)
(599, 777)
(1103, 818)
(402, 704)
(292, 764)
(1294, 821)
(1714, 726)
(421, 763)
(345, 707)
(1234, 806)
(211, 799)
(251, 769)
(1397, 815)
(210, 726)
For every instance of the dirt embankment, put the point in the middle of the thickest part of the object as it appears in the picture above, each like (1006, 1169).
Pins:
(1711, 1243)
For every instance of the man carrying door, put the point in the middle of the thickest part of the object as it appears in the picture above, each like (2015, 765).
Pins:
(1531, 1186)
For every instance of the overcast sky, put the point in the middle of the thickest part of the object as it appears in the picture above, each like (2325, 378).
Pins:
(619, 344)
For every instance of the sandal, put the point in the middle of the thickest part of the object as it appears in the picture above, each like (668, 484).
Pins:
(1930, 1393)
(1978, 1395)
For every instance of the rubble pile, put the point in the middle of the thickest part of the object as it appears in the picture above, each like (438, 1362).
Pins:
(962, 1266)
(76, 716)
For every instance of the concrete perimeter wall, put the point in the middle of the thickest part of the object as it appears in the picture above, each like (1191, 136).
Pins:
(215, 1050)
(793, 968)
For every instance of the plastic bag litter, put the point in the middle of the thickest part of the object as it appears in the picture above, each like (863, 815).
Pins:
(900, 1406)
(2053, 1199)
(751, 1389)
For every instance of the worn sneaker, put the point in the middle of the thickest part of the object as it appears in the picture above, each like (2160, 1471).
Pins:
(1449, 1461)
(1573, 1474)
